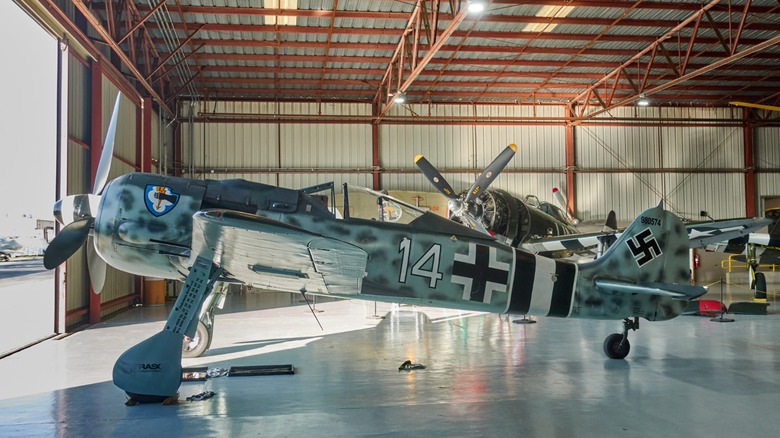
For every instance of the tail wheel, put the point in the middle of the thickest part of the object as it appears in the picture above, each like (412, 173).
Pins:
(615, 347)
(197, 345)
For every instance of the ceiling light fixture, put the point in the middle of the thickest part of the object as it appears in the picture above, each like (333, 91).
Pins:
(643, 100)
(476, 6)
(400, 98)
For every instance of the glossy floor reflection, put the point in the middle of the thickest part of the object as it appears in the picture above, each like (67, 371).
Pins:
(485, 376)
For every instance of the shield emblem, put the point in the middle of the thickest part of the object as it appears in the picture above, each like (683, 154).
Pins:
(160, 199)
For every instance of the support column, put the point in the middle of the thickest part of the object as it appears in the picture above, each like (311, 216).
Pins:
(146, 154)
(750, 171)
(376, 183)
(144, 164)
(570, 163)
(61, 178)
(95, 149)
(177, 150)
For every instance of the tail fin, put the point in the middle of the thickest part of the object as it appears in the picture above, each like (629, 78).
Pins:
(649, 258)
(610, 225)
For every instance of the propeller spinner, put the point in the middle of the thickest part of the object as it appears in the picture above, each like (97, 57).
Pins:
(77, 213)
(461, 206)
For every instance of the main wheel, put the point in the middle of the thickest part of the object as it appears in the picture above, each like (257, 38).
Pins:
(760, 286)
(613, 349)
(195, 346)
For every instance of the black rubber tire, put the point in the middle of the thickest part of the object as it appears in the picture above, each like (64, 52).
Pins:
(760, 289)
(197, 345)
(612, 347)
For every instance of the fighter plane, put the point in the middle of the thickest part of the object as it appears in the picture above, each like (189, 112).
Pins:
(543, 228)
(497, 211)
(208, 232)
(8, 247)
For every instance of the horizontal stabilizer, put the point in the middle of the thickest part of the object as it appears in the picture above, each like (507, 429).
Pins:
(675, 291)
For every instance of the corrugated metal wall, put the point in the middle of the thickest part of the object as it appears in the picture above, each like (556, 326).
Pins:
(162, 144)
(690, 157)
(252, 151)
(118, 284)
(76, 279)
(692, 162)
(75, 274)
(767, 148)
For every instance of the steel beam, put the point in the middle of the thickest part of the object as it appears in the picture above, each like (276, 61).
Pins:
(416, 69)
(97, 25)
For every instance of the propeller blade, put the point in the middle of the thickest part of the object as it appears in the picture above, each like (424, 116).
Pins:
(434, 176)
(66, 243)
(490, 173)
(561, 200)
(611, 224)
(96, 265)
(101, 175)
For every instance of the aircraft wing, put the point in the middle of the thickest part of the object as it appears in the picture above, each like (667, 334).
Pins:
(702, 234)
(275, 255)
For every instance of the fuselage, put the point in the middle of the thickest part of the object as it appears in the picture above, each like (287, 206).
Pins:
(145, 227)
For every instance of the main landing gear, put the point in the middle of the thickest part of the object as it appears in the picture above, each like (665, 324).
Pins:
(616, 346)
(197, 345)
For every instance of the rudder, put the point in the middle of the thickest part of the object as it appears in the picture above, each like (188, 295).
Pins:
(653, 249)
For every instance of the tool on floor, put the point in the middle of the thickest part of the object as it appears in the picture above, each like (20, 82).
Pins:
(201, 396)
(408, 366)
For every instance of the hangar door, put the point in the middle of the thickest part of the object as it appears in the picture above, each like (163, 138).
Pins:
(28, 86)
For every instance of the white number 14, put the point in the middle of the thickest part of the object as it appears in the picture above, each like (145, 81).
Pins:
(419, 268)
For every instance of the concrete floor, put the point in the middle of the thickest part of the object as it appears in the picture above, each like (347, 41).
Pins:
(485, 376)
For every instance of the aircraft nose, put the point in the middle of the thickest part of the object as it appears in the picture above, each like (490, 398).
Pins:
(58, 211)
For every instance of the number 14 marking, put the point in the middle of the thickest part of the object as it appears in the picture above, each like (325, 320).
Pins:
(418, 269)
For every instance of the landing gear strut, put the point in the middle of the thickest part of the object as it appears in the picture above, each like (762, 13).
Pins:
(616, 346)
(198, 344)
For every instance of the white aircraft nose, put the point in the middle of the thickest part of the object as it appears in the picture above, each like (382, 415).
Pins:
(75, 207)
(58, 211)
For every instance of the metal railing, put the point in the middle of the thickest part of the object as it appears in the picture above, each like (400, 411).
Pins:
(731, 264)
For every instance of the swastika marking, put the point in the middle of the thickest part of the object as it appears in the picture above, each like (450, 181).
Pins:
(644, 247)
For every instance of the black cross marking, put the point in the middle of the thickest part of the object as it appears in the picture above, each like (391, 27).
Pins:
(480, 272)
(644, 249)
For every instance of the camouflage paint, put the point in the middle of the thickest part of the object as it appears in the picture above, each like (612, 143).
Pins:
(280, 238)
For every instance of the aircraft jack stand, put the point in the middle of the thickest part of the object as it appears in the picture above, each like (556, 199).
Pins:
(524, 320)
(376, 315)
(721, 318)
(616, 346)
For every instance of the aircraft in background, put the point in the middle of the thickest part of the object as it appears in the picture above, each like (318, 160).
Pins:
(9, 247)
(545, 229)
(755, 249)
(209, 232)
(497, 211)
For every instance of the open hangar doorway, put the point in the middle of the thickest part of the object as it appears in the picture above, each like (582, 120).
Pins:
(28, 84)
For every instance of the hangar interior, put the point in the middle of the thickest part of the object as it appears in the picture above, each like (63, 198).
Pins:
(618, 104)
